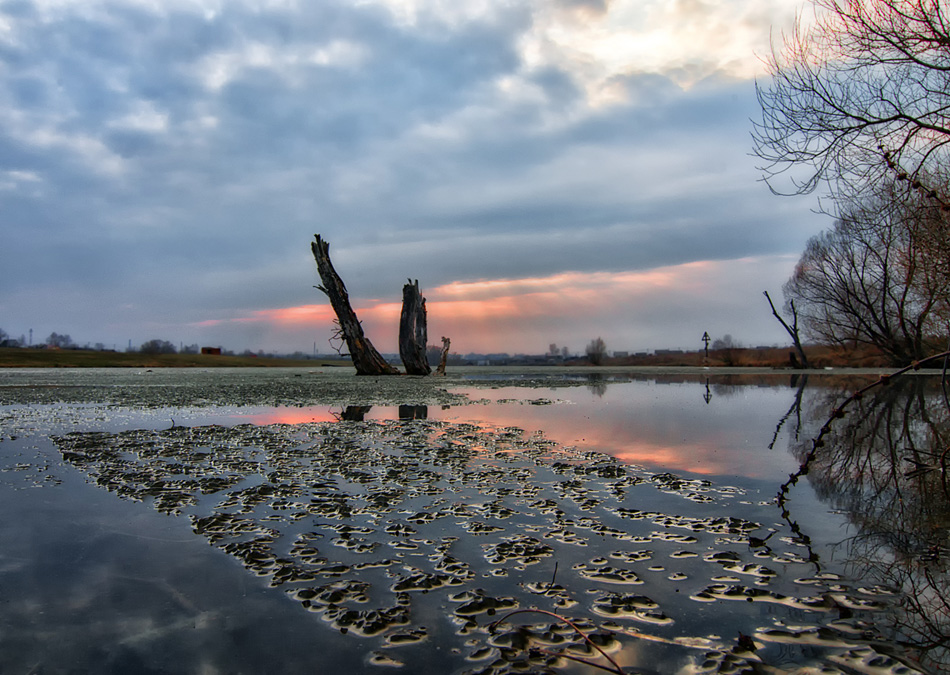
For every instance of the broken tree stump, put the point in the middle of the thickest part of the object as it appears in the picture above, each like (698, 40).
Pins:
(366, 359)
(444, 356)
(412, 331)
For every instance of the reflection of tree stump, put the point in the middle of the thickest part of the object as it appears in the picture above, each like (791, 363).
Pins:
(355, 413)
(413, 412)
(412, 330)
(366, 359)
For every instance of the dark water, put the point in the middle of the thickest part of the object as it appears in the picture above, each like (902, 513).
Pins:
(203, 536)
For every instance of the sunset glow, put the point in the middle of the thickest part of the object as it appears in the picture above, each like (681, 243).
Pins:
(527, 314)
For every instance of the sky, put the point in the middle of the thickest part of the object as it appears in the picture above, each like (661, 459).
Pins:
(551, 171)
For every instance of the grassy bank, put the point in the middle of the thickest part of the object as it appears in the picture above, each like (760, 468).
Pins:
(819, 357)
(751, 357)
(80, 358)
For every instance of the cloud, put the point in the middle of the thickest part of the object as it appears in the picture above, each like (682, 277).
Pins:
(684, 40)
(633, 311)
(165, 164)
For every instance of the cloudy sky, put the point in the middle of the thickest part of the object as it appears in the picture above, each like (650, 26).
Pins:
(550, 170)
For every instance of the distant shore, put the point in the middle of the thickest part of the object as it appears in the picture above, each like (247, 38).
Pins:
(79, 358)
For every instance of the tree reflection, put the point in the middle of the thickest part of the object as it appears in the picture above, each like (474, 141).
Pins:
(413, 412)
(597, 384)
(884, 465)
(794, 409)
(354, 413)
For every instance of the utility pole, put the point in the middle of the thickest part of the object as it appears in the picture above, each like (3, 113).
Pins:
(706, 339)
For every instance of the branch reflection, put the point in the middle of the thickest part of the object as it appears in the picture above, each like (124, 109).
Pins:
(884, 465)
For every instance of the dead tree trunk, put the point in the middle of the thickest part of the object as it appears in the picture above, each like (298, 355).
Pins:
(791, 330)
(366, 359)
(444, 356)
(412, 331)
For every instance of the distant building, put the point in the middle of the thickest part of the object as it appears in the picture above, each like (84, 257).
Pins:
(212, 351)
(621, 355)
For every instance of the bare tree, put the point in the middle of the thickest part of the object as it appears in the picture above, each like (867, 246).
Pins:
(725, 342)
(62, 341)
(858, 91)
(726, 348)
(158, 347)
(868, 281)
(596, 351)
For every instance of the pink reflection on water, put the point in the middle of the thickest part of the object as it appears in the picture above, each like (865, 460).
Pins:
(660, 427)
(663, 427)
(284, 415)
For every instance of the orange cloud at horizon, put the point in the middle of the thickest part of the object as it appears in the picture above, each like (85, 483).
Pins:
(527, 314)
(282, 315)
(577, 282)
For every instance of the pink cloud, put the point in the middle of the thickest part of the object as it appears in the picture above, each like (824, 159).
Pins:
(307, 314)
(631, 310)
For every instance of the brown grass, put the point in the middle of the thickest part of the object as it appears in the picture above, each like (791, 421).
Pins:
(81, 358)
(818, 357)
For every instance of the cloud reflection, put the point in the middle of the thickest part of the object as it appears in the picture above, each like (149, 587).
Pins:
(662, 427)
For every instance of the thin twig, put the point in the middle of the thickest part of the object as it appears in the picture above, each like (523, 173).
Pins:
(578, 659)
(943, 377)
(617, 668)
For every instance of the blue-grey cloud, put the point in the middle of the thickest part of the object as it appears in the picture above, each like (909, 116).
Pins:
(170, 163)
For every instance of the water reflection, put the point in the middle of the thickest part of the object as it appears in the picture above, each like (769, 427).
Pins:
(413, 412)
(355, 413)
(884, 465)
(411, 533)
(795, 409)
(596, 385)
(662, 425)
(422, 526)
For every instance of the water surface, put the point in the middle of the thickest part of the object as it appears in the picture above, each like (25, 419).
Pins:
(309, 522)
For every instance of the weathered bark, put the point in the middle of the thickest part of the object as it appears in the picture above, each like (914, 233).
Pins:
(366, 359)
(444, 356)
(412, 330)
